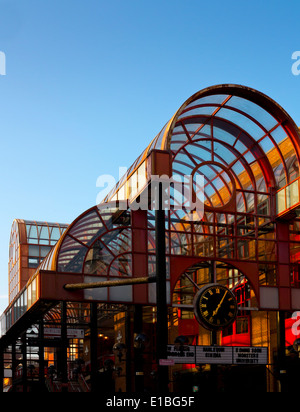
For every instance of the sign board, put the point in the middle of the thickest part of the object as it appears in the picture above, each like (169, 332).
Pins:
(181, 354)
(218, 355)
(166, 362)
(250, 356)
(214, 354)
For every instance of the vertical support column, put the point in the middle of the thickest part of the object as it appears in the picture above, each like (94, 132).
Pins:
(93, 346)
(24, 362)
(213, 279)
(161, 301)
(128, 344)
(213, 333)
(281, 358)
(138, 351)
(64, 347)
(41, 354)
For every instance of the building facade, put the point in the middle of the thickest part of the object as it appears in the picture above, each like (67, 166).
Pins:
(115, 295)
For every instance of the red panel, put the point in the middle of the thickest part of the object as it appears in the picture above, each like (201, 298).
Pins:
(52, 286)
(283, 252)
(140, 292)
(284, 275)
(242, 339)
(188, 327)
(285, 298)
(159, 163)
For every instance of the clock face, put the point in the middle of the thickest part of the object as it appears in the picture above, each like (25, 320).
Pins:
(215, 307)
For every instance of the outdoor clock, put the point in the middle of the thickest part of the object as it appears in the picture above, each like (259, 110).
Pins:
(215, 306)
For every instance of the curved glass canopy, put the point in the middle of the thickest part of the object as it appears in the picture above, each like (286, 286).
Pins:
(243, 131)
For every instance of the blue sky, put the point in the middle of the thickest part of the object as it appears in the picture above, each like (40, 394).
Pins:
(89, 83)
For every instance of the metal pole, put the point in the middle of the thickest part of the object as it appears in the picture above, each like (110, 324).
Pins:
(41, 354)
(24, 362)
(93, 346)
(138, 351)
(212, 276)
(281, 350)
(64, 347)
(161, 302)
(128, 343)
(110, 283)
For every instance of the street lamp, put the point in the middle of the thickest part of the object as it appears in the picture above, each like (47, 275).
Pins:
(139, 343)
(119, 349)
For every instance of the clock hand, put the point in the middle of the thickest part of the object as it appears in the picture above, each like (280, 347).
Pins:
(219, 305)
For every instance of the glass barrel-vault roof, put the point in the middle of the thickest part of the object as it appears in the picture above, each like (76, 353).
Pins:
(240, 128)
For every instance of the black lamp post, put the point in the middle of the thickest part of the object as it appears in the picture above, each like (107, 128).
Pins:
(139, 344)
(161, 299)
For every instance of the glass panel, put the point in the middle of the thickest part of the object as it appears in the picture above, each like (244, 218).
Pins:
(243, 122)
(181, 243)
(44, 233)
(293, 167)
(33, 290)
(279, 134)
(280, 198)
(208, 110)
(263, 206)
(253, 110)
(267, 275)
(266, 250)
(44, 250)
(29, 301)
(120, 293)
(33, 262)
(32, 234)
(280, 176)
(203, 245)
(290, 158)
(201, 151)
(226, 155)
(246, 249)
(204, 130)
(212, 99)
(98, 260)
(55, 234)
(225, 247)
(240, 203)
(121, 266)
(267, 145)
(33, 250)
(97, 293)
(87, 228)
(158, 142)
(292, 194)
(71, 256)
